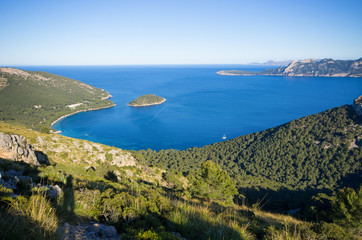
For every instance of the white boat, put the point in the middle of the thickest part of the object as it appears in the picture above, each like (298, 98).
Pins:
(224, 137)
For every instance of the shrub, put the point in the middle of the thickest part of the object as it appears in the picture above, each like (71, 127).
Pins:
(44, 130)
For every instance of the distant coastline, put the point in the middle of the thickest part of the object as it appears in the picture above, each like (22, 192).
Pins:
(326, 67)
(236, 73)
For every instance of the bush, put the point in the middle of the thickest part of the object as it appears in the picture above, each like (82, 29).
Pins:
(45, 130)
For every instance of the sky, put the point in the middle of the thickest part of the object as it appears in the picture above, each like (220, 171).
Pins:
(127, 32)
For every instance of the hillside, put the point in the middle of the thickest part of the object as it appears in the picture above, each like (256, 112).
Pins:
(309, 68)
(93, 191)
(36, 99)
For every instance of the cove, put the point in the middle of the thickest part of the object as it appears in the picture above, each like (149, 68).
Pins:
(201, 106)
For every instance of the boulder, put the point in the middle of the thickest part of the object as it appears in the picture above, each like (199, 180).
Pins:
(357, 105)
(108, 231)
(16, 148)
(54, 191)
(13, 173)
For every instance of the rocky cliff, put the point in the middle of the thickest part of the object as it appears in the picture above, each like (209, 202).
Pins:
(16, 148)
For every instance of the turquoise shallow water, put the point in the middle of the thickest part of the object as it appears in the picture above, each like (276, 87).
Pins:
(201, 106)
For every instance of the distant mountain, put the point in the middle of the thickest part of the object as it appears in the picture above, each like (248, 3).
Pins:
(310, 68)
(272, 63)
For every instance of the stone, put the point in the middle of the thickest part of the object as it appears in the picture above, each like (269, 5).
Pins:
(16, 148)
(14, 195)
(16, 180)
(5, 142)
(109, 231)
(94, 227)
(9, 184)
(357, 105)
(178, 235)
(54, 191)
(42, 158)
(20, 151)
(25, 178)
(13, 173)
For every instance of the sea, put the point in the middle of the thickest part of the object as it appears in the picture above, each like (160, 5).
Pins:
(201, 106)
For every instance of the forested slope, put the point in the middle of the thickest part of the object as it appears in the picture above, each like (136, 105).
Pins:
(315, 152)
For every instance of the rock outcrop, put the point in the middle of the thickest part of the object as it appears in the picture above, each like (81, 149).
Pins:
(357, 105)
(16, 148)
(88, 231)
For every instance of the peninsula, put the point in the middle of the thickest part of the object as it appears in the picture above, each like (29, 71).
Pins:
(147, 100)
(39, 99)
(308, 68)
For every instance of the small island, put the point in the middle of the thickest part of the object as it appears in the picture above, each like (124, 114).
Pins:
(147, 100)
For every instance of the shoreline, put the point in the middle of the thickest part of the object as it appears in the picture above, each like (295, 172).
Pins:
(79, 111)
(109, 96)
(150, 104)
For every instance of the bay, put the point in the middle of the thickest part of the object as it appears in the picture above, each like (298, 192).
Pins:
(201, 106)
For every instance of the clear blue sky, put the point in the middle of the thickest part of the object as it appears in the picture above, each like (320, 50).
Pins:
(111, 32)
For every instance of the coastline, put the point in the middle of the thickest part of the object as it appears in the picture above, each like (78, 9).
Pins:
(84, 110)
(244, 73)
(236, 73)
(106, 97)
(150, 104)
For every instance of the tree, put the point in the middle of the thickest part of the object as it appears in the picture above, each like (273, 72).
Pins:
(212, 183)
(347, 207)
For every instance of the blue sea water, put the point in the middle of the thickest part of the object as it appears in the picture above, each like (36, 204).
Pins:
(201, 106)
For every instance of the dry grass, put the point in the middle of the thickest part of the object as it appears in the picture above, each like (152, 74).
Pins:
(38, 211)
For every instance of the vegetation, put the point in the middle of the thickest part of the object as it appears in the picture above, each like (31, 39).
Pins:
(36, 99)
(147, 100)
(309, 168)
(147, 202)
(317, 153)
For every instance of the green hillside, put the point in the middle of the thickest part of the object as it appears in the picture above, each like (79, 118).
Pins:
(321, 152)
(36, 99)
(107, 185)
